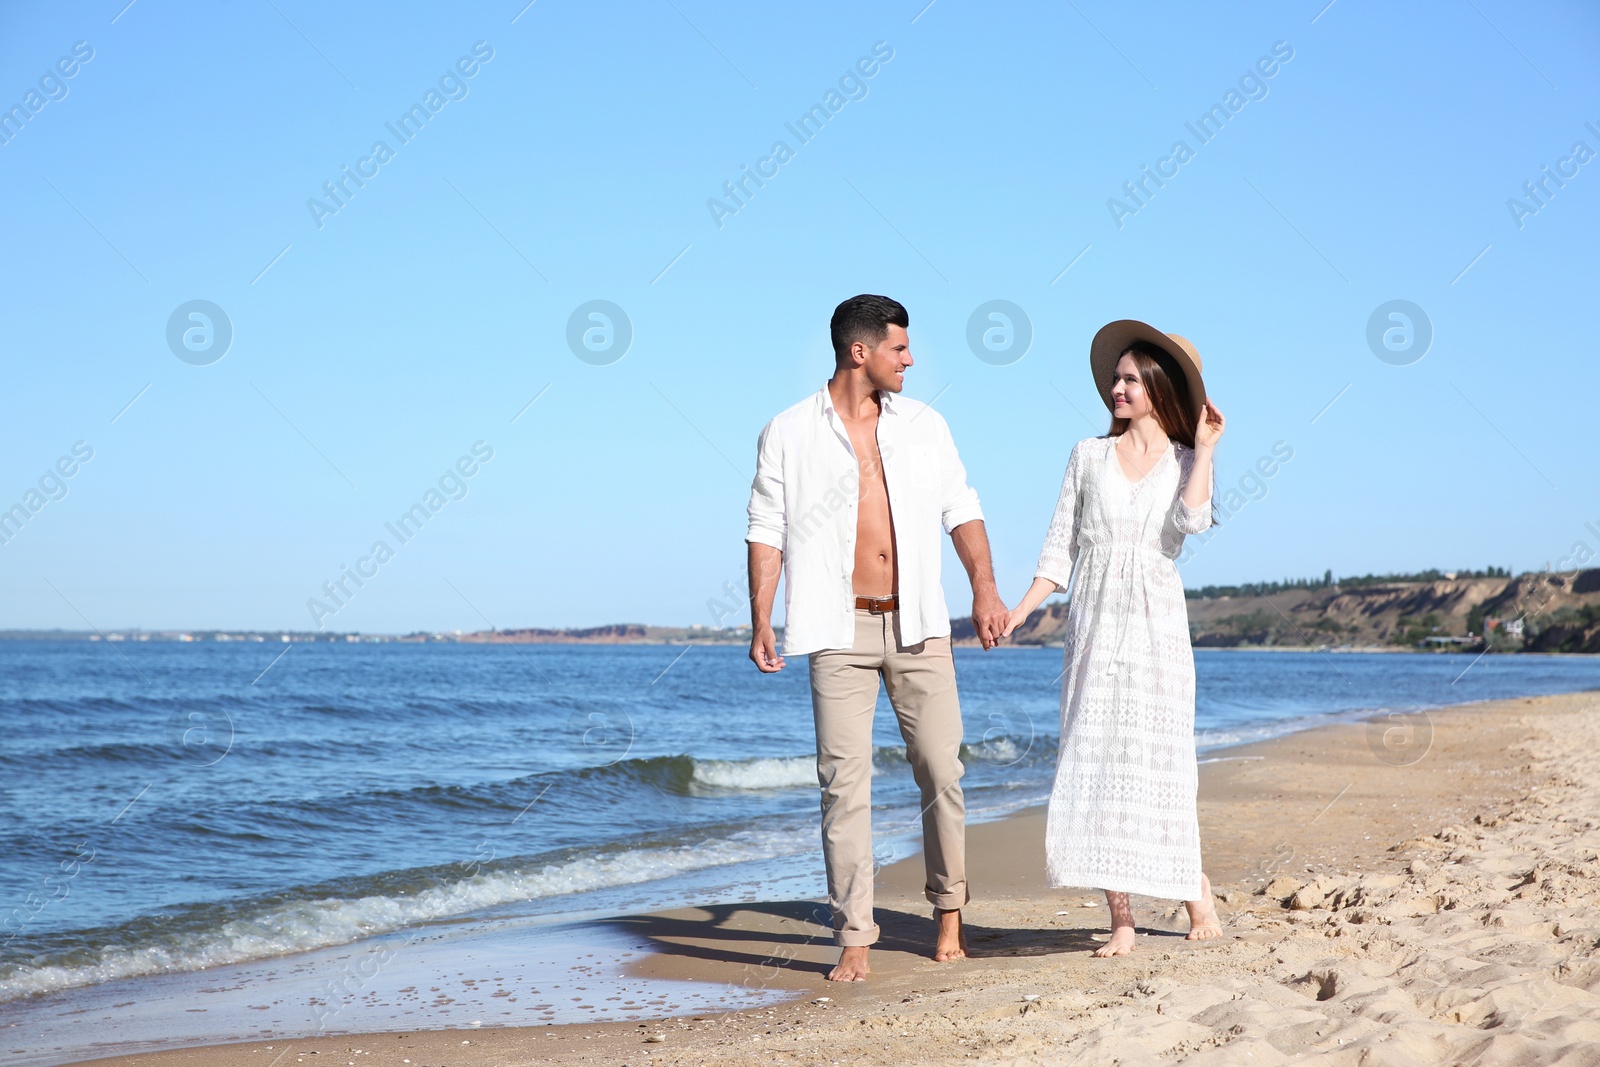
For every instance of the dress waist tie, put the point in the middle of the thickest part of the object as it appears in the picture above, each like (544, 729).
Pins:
(1134, 562)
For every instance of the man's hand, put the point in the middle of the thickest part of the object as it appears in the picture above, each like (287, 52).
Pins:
(766, 564)
(764, 651)
(988, 613)
(990, 617)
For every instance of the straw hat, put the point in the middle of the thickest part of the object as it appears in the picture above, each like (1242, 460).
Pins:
(1114, 339)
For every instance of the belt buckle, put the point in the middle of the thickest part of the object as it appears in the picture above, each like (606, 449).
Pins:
(879, 604)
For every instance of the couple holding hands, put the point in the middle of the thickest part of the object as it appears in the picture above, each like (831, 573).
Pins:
(855, 487)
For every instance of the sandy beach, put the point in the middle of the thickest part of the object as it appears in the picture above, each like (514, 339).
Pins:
(1419, 890)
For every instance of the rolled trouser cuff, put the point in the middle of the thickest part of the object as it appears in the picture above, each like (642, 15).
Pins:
(856, 938)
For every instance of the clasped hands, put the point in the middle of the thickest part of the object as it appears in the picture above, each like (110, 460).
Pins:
(992, 620)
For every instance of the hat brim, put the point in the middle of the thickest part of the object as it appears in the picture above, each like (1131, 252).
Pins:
(1114, 338)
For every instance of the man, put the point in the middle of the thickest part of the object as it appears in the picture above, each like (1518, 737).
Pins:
(852, 486)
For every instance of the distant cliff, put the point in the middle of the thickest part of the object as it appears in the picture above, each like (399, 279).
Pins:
(1529, 613)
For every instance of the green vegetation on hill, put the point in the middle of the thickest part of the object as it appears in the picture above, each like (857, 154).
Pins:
(1565, 629)
(1328, 580)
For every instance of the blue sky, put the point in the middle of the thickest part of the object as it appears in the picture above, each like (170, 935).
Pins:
(370, 353)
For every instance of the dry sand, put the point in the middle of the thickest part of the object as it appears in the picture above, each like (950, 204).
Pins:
(1411, 892)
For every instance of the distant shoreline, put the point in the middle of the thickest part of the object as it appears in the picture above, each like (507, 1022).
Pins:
(651, 635)
(1474, 613)
(730, 639)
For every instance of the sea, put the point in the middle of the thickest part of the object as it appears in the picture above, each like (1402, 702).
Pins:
(174, 807)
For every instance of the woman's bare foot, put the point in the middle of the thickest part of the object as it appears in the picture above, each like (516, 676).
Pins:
(1121, 943)
(1203, 921)
(952, 942)
(852, 965)
(1122, 932)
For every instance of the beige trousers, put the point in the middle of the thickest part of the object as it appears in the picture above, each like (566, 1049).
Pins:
(921, 680)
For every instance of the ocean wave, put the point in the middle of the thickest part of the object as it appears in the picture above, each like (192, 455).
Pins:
(233, 932)
(792, 772)
(767, 772)
(681, 775)
(1010, 749)
(1249, 732)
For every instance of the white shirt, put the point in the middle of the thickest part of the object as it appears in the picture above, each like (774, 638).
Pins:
(804, 499)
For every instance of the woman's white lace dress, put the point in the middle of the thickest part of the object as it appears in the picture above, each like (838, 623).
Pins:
(1122, 812)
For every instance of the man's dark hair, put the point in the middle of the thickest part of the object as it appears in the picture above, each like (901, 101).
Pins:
(864, 318)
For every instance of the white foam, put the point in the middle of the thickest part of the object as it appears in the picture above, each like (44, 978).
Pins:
(311, 924)
(763, 773)
(1001, 749)
(1267, 729)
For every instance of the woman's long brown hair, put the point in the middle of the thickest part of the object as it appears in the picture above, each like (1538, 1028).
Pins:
(1164, 380)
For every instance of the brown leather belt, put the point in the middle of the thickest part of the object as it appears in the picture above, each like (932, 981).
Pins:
(878, 603)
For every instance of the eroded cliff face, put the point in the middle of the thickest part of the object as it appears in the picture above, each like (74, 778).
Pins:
(1559, 613)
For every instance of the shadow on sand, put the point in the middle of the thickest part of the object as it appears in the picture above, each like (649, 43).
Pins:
(775, 936)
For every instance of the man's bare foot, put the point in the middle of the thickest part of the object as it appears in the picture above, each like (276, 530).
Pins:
(1121, 943)
(952, 942)
(1203, 922)
(1122, 932)
(852, 965)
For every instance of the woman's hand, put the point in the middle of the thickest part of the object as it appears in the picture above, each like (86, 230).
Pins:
(1211, 425)
(1041, 588)
(1017, 617)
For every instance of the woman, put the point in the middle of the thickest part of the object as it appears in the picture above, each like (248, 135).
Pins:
(1122, 812)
